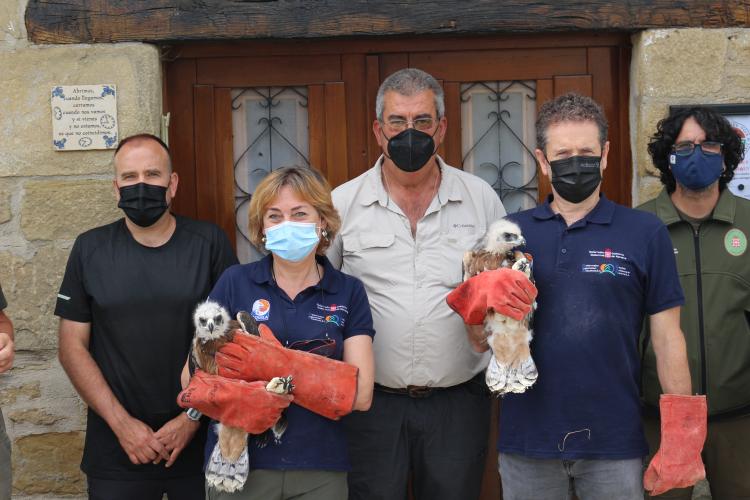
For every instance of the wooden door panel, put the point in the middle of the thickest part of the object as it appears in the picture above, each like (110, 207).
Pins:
(316, 120)
(224, 161)
(268, 71)
(580, 84)
(336, 144)
(511, 64)
(205, 153)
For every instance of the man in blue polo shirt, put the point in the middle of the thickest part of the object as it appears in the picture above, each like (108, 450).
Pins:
(600, 268)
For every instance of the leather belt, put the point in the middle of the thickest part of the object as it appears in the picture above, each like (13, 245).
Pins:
(422, 391)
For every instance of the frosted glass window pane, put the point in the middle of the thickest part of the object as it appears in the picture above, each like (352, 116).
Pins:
(270, 129)
(497, 126)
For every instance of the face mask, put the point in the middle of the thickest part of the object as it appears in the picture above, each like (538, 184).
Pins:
(143, 203)
(575, 178)
(411, 149)
(292, 241)
(697, 170)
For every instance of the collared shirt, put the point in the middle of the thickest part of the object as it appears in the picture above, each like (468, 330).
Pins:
(319, 320)
(420, 340)
(597, 279)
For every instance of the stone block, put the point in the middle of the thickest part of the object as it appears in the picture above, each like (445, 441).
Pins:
(48, 464)
(679, 63)
(36, 416)
(9, 395)
(26, 122)
(61, 210)
(737, 84)
(31, 287)
(6, 191)
(11, 19)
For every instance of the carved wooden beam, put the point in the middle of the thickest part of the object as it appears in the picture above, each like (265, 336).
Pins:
(88, 21)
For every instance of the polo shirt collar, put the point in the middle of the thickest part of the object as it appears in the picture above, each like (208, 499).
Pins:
(724, 210)
(447, 191)
(602, 212)
(330, 283)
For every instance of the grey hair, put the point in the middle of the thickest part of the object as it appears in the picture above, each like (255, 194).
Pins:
(570, 107)
(408, 82)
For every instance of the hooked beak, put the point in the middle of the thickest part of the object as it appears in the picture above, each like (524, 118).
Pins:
(210, 328)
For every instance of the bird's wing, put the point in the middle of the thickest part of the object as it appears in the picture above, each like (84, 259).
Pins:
(248, 322)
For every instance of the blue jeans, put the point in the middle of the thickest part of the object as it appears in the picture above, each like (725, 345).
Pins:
(539, 479)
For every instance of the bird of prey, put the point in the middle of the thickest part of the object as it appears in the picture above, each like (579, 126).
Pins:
(228, 466)
(511, 367)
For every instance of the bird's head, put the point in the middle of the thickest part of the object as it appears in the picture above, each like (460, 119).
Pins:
(502, 236)
(211, 321)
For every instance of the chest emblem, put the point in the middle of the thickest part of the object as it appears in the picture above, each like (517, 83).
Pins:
(735, 242)
(261, 310)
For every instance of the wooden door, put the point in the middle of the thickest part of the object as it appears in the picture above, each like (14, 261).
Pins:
(339, 80)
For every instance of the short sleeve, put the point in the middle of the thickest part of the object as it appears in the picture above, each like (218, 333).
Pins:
(663, 290)
(73, 302)
(3, 302)
(222, 254)
(359, 321)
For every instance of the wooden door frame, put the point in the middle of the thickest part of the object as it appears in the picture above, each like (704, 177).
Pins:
(367, 61)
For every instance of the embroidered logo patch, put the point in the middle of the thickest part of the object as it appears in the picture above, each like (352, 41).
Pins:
(261, 310)
(607, 253)
(735, 242)
(613, 269)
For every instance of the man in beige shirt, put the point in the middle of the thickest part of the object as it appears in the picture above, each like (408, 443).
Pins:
(406, 225)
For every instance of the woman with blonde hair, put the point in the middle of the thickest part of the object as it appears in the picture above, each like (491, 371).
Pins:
(309, 306)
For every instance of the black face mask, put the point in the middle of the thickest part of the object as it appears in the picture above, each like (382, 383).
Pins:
(575, 178)
(143, 203)
(411, 149)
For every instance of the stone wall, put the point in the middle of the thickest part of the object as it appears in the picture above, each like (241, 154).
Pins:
(46, 199)
(681, 66)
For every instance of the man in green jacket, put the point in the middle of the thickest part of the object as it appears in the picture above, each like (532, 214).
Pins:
(696, 150)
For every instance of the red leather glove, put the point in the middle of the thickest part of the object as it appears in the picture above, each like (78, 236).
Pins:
(678, 462)
(236, 403)
(322, 385)
(506, 291)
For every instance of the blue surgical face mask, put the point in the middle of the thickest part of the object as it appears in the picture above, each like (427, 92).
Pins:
(697, 170)
(292, 241)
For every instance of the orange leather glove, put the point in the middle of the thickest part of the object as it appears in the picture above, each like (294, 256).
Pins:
(678, 462)
(322, 385)
(236, 403)
(506, 291)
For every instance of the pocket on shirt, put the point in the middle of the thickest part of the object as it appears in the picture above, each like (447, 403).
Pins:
(455, 245)
(366, 256)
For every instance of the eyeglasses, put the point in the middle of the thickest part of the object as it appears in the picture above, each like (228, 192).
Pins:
(686, 148)
(421, 124)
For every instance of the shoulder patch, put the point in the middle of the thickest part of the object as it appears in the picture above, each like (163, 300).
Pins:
(735, 242)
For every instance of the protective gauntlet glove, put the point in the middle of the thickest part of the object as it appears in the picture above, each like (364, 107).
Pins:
(236, 403)
(322, 385)
(678, 462)
(505, 291)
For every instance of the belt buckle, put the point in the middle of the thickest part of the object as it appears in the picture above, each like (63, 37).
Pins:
(419, 391)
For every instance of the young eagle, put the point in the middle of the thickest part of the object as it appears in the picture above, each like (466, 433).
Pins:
(511, 367)
(228, 467)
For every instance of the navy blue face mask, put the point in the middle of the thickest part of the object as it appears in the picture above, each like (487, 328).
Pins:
(697, 170)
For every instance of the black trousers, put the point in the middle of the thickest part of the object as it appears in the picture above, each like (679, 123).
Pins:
(180, 488)
(441, 440)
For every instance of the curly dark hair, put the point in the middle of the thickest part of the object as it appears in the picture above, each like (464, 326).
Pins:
(716, 127)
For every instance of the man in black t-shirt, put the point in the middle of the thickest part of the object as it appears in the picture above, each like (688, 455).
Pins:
(125, 308)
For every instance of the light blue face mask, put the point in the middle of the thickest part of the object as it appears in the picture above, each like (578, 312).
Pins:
(292, 241)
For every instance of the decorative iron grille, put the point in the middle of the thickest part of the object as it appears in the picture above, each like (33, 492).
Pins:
(270, 126)
(497, 123)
